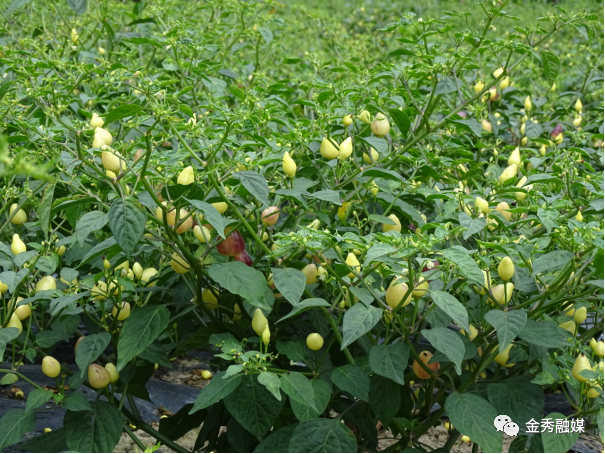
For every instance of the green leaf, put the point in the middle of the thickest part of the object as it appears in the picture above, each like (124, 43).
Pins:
(452, 307)
(242, 280)
(14, 425)
(304, 305)
(545, 334)
(381, 219)
(77, 401)
(126, 110)
(472, 226)
(79, 6)
(468, 125)
(298, 388)
(380, 145)
(295, 351)
(15, 5)
(357, 321)
(90, 222)
(48, 337)
(404, 208)
(465, 263)
(216, 390)
(542, 178)
(37, 397)
(45, 207)
(328, 195)
(127, 223)
(233, 369)
(277, 441)
(389, 360)
(532, 130)
(322, 435)
(353, 380)
(401, 120)
(47, 442)
(290, 283)
(13, 279)
(256, 185)
(518, 398)
(385, 398)
(548, 218)
(376, 172)
(239, 438)
(322, 391)
(271, 382)
(95, 430)
(7, 335)
(507, 324)
(253, 406)
(143, 326)
(555, 260)
(550, 66)
(99, 250)
(558, 442)
(364, 296)
(177, 425)
(89, 349)
(211, 214)
(446, 85)
(377, 251)
(474, 416)
(448, 343)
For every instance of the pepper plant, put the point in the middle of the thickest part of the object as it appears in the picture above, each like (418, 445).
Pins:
(373, 220)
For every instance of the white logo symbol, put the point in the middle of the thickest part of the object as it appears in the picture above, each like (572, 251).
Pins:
(501, 421)
(511, 429)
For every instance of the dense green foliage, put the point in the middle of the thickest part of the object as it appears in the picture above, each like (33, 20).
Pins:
(363, 210)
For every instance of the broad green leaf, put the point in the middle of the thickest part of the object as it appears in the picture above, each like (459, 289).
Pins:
(13, 279)
(56, 304)
(518, 398)
(177, 425)
(7, 335)
(404, 208)
(233, 369)
(550, 66)
(256, 185)
(45, 207)
(271, 382)
(465, 263)
(555, 260)
(384, 398)
(89, 349)
(304, 305)
(545, 334)
(77, 401)
(446, 85)
(47, 442)
(548, 218)
(381, 219)
(532, 129)
(143, 326)
(13, 425)
(79, 6)
(327, 195)
(242, 280)
(298, 388)
(376, 172)
(364, 296)
(293, 350)
(216, 390)
(472, 225)
(380, 145)
(452, 307)
(558, 442)
(99, 250)
(469, 125)
(474, 416)
(290, 283)
(15, 5)
(353, 380)
(127, 223)
(448, 343)
(401, 120)
(90, 222)
(322, 391)
(239, 438)
(507, 324)
(389, 360)
(377, 251)
(36, 398)
(322, 435)
(211, 214)
(357, 321)
(96, 430)
(49, 337)
(253, 406)
(277, 441)
(126, 110)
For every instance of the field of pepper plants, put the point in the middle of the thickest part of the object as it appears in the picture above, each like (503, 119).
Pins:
(362, 220)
